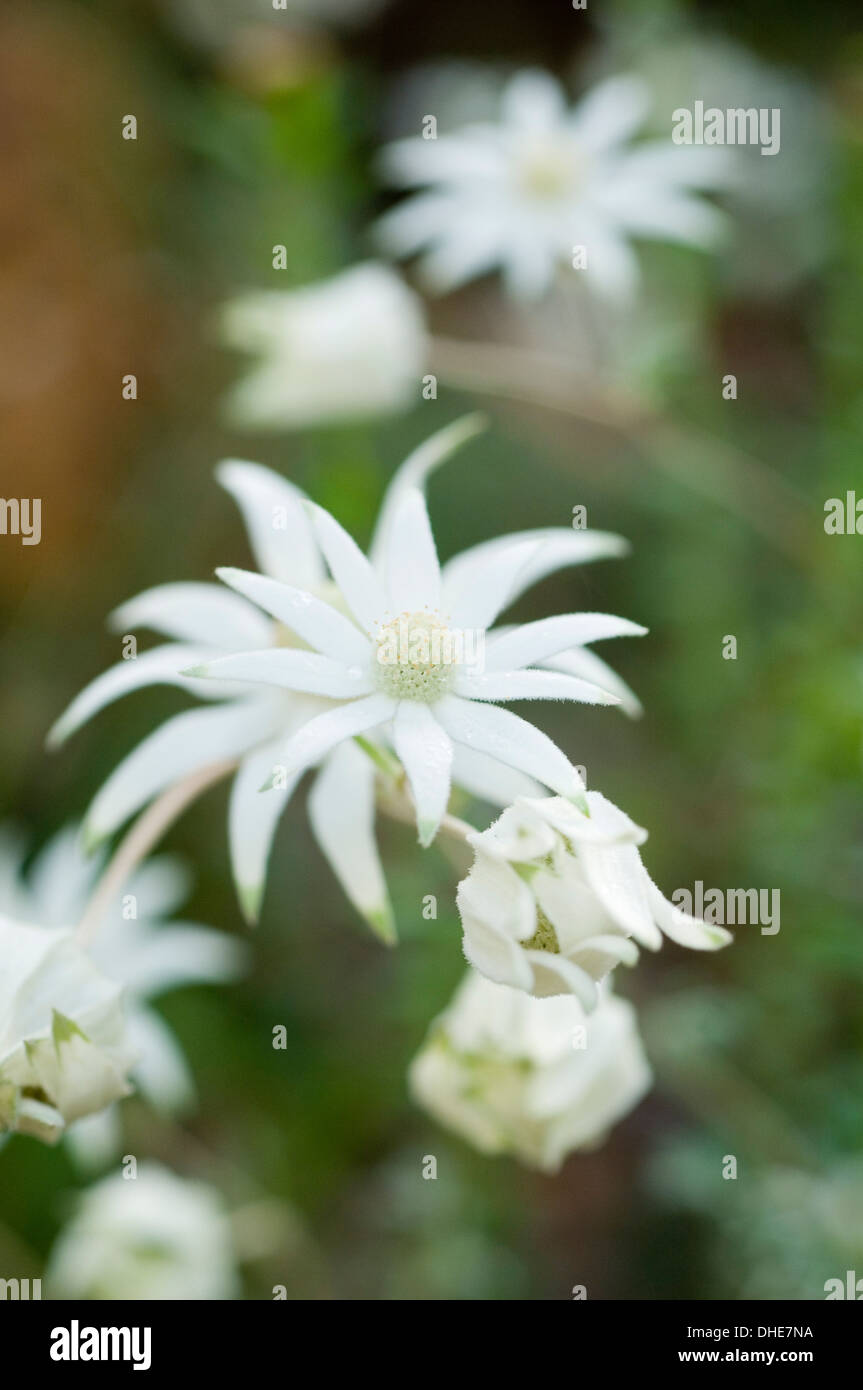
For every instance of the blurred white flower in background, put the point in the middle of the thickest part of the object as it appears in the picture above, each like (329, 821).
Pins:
(400, 663)
(154, 1236)
(343, 349)
(534, 1078)
(252, 720)
(64, 1050)
(136, 947)
(520, 195)
(556, 899)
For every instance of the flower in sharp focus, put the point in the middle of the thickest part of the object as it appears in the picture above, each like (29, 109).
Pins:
(556, 898)
(534, 1078)
(136, 946)
(350, 347)
(522, 194)
(63, 1046)
(154, 1236)
(252, 721)
(412, 664)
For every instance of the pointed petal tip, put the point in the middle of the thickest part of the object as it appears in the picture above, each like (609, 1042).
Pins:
(92, 838)
(250, 896)
(382, 922)
(427, 830)
(473, 423)
(55, 737)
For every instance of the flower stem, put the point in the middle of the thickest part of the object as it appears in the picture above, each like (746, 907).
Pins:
(147, 830)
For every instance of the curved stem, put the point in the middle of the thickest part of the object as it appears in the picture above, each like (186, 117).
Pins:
(147, 830)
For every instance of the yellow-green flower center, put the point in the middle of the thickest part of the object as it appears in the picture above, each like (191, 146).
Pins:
(545, 936)
(415, 657)
(548, 171)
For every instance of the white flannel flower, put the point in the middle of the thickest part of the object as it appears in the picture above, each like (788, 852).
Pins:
(137, 946)
(533, 1078)
(557, 898)
(154, 1236)
(412, 662)
(63, 1047)
(251, 722)
(522, 194)
(347, 348)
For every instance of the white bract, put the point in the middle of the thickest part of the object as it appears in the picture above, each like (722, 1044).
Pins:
(521, 195)
(249, 725)
(154, 1236)
(415, 660)
(137, 945)
(64, 1052)
(557, 898)
(534, 1078)
(347, 348)
(252, 721)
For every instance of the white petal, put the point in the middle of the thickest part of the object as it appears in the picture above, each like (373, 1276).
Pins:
(341, 809)
(161, 1074)
(529, 266)
(448, 159)
(612, 266)
(656, 164)
(619, 879)
(325, 731)
(604, 824)
(183, 745)
(252, 821)
(611, 112)
(163, 956)
(503, 735)
(96, 1139)
(473, 248)
(531, 685)
(161, 666)
(580, 661)
(426, 754)
(411, 566)
(493, 954)
(416, 469)
(488, 779)
(555, 547)
(554, 974)
(289, 669)
(402, 230)
(683, 928)
(534, 642)
(533, 101)
(61, 879)
(279, 530)
(323, 627)
(359, 585)
(160, 886)
(475, 600)
(203, 613)
(666, 214)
